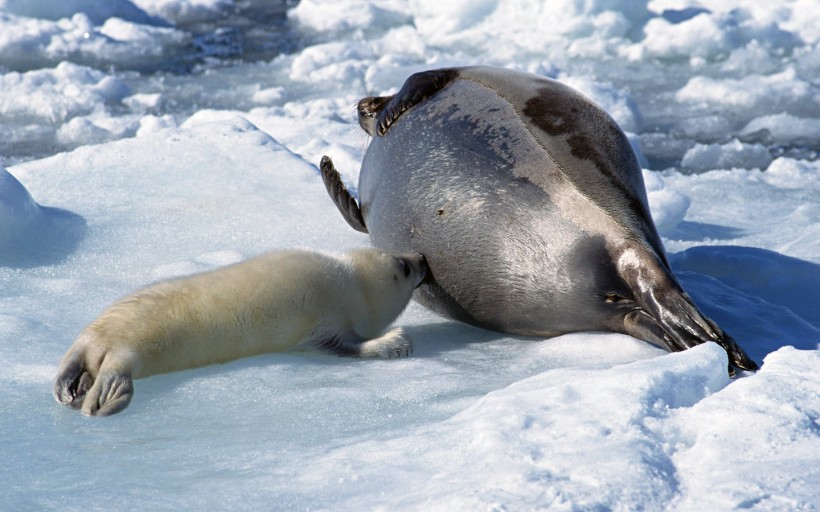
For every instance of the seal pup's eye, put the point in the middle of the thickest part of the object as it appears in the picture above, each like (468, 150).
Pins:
(405, 268)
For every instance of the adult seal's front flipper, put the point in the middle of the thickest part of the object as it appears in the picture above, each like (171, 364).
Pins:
(416, 89)
(338, 192)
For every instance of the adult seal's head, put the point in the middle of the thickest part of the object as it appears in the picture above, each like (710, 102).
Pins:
(529, 205)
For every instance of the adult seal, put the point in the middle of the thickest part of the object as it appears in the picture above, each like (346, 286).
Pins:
(528, 203)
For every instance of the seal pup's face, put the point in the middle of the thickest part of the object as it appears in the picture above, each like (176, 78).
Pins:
(381, 269)
(386, 283)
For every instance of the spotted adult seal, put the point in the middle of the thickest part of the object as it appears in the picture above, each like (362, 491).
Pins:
(528, 202)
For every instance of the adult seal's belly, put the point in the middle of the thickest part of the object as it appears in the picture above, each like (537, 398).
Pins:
(529, 205)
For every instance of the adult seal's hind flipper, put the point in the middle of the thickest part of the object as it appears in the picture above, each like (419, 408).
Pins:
(664, 314)
(345, 202)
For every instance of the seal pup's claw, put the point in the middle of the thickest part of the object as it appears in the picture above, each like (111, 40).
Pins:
(72, 382)
(341, 197)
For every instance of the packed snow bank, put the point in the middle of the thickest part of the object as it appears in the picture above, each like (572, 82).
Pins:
(186, 11)
(674, 73)
(97, 12)
(744, 446)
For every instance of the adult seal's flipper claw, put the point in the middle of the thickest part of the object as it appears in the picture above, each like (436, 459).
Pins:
(346, 203)
(737, 357)
(416, 89)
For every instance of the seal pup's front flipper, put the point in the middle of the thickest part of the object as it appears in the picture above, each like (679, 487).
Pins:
(391, 345)
(341, 197)
(417, 88)
(666, 315)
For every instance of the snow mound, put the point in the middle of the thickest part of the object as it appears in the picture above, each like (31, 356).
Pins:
(668, 207)
(30, 234)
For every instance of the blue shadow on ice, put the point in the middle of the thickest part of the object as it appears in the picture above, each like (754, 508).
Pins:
(54, 236)
(764, 299)
(698, 231)
(32, 235)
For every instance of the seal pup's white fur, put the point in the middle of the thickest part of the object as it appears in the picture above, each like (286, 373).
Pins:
(270, 303)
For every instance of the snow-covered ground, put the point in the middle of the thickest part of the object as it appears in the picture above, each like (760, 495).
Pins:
(146, 139)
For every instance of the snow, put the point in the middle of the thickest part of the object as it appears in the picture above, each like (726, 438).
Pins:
(146, 139)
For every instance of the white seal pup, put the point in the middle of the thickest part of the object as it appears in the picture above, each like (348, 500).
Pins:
(270, 303)
(529, 204)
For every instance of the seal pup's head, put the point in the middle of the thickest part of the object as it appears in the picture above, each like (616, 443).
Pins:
(386, 282)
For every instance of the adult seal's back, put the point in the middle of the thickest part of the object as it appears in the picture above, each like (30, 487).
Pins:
(529, 205)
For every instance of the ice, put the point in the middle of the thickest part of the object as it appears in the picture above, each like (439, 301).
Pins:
(19, 209)
(146, 139)
(768, 93)
(784, 127)
(31, 234)
(350, 15)
(713, 441)
(98, 12)
(184, 11)
(707, 35)
(29, 43)
(705, 157)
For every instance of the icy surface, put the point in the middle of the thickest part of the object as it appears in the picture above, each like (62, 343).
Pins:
(145, 139)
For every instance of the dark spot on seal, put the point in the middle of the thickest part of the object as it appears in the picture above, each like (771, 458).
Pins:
(570, 116)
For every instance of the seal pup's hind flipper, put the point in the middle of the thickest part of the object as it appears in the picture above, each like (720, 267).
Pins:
(97, 384)
(338, 192)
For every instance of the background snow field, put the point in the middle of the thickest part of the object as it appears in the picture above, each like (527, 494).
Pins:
(145, 139)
